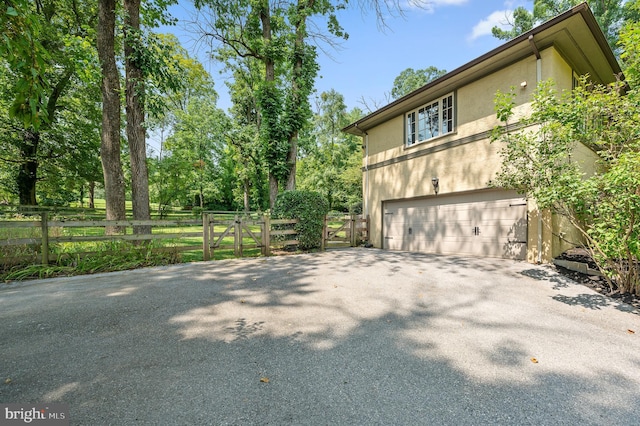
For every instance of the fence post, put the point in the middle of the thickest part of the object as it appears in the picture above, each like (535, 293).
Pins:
(237, 237)
(354, 231)
(241, 234)
(44, 225)
(266, 235)
(206, 253)
(323, 243)
(367, 229)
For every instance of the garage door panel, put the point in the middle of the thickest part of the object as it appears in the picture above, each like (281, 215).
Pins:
(486, 224)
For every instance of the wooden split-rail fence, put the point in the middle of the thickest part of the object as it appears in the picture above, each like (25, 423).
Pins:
(266, 233)
(219, 231)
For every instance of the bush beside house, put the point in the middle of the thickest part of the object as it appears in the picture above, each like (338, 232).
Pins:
(307, 206)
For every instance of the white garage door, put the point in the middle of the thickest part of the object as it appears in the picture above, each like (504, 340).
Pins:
(488, 223)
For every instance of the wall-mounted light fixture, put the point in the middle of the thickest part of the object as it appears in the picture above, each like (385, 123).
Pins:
(436, 184)
(523, 85)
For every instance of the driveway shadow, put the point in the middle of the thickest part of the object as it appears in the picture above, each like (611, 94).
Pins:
(345, 337)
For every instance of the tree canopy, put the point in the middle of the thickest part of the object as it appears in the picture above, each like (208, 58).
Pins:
(608, 13)
(409, 80)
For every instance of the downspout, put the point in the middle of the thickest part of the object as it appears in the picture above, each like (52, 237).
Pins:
(538, 80)
(366, 172)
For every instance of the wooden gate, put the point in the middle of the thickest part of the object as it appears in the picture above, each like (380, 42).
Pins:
(344, 231)
(243, 232)
(223, 231)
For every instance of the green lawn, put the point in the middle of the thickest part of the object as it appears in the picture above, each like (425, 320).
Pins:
(82, 257)
(68, 258)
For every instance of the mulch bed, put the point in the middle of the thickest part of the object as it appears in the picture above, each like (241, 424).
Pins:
(596, 283)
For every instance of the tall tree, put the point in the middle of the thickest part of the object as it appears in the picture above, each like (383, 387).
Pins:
(148, 58)
(244, 145)
(110, 136)
(630, 45)
(195, 149)
(276, 35)
(23, 51)
(134, 95)
(47, 56)
(409, 80)
(608, 13)
(166, 104)
(332, 160)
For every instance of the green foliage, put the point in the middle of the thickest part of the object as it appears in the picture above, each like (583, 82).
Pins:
(308, 206)
(410, 80)
(275, 35)
(61, 155)
(331, 161)
(272, 131)
(191, 168)
(540, 162)
(154, 13)
(616, 224)
(246, 168)
(630, 44)
(21, 48)
(162, 61)
(608, 13)
(108, 257)
(523, 21)
(244, 145)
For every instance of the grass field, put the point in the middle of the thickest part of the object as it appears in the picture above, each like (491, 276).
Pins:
(69, 258)
(24, 260)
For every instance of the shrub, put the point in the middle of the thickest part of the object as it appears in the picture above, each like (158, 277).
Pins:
(307, 206)
(539, 161)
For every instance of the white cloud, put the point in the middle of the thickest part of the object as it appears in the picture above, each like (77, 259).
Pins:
(447, 2)
(431, 5)
(499, 18)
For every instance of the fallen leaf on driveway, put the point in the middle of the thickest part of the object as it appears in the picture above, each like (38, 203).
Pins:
(7, 381)
(264, 379)
(534, 360)
(631, 331)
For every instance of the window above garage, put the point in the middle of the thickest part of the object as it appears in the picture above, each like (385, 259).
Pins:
(430, 120)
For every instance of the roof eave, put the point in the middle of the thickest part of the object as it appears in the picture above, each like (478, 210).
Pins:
(359, 127)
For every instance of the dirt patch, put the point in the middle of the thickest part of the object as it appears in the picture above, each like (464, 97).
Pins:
(596, 283)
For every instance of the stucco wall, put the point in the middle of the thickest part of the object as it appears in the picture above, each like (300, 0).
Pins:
(556, 68)
(464, 160)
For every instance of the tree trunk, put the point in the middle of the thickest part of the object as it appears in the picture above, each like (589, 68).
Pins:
(110, 134)
(273, 190)
(27, 175)
(300, 90)
(135, 117)
(92, 193)
(246, 194)
(292, 156)
(269, 69)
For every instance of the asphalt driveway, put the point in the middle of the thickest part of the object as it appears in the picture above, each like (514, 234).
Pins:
(344, 337)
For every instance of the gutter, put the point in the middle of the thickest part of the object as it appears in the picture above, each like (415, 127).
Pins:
(365, 198)
(536, 52)
(581, 9)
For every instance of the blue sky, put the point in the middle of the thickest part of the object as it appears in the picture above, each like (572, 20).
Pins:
(442, 33)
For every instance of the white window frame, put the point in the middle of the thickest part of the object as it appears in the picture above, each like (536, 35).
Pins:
(422, 124)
